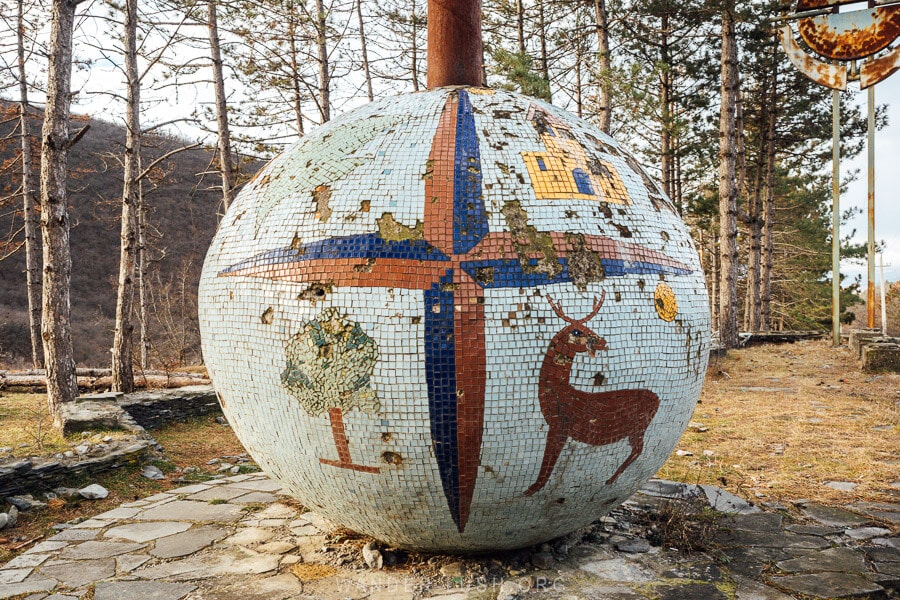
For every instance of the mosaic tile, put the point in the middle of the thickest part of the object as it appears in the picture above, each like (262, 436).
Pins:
(456, 320)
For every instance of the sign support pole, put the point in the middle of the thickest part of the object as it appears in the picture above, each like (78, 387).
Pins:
(883, 293)
(836, 218)
(871, 248)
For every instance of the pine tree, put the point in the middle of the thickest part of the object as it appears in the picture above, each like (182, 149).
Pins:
(29, 195)
(728, 253)
(122, 372)
(403, 43)
(226, 160)
(604, 67)
(56, 330)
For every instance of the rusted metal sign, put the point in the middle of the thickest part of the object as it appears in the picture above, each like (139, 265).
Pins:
(878, 69)
(851, 35)
(813, 4)
(850, 42)
(841, 39)
(830, 75)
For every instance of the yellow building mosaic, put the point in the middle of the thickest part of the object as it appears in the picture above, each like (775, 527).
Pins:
(563, 172)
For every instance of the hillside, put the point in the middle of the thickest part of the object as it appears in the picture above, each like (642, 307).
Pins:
(182, 203)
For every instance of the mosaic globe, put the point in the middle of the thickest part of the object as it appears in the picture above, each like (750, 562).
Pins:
(457, 320)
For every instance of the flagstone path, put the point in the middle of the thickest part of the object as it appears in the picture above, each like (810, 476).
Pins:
(238, 538)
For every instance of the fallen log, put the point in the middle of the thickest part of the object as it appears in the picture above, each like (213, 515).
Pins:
(36, 383)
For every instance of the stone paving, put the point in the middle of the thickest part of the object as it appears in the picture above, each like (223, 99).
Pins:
(238, 538)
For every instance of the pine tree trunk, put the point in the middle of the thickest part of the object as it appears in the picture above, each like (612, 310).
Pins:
(414, 48)
(122, 371)
(295, 65)
(752, 219)
(365, 53)
(56, 330)
(324, 72)
(545, 64)
(520, 26)
(665, 100)
(226, 163)
(678, 199)
(752, 319)
(141, 267)
(728, 253)
(455, 49)
(604, 63)
(29, 199)
(740, 150)
(714, 283)
(579, 102)
(768, 246)
(701, 251)
(745, 319)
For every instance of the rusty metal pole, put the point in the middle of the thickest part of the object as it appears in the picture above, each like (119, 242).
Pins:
(871, 249)
(883, 306)
(836, 218)
(454, 43)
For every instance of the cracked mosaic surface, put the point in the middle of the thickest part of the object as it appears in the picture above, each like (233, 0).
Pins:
(457, 320)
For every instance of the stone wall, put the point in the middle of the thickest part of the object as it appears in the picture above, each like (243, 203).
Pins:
(881, 356)
(152, 409)
(30, 475)
(877, 353)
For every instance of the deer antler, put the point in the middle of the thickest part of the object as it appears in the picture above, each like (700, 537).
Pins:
(597, 305)
(557, 308)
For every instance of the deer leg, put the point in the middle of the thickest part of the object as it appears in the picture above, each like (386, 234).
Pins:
(556, 439)
(637, 446)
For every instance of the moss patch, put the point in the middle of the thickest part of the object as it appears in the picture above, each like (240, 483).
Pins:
(585, 265)
(393, 231)
(530, 243)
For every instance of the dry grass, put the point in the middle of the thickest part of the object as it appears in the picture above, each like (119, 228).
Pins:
(686, 525)
(124, 485)
(312, 572)
(192, 443)
(26, 426)
(816, 418)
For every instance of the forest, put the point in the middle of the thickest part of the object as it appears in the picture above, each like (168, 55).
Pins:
(699, 89)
